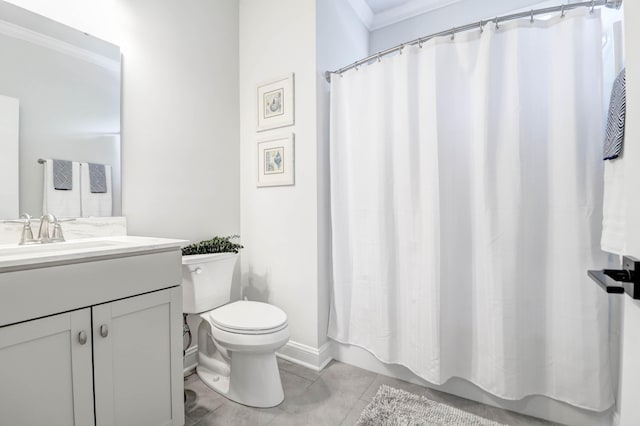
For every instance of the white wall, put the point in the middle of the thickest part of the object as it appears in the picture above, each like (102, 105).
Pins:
(180, 117)
(279, 262)
(445, 18)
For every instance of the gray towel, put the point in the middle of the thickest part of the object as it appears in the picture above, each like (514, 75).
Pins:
(97, 178)
(63, 175)
(613, 142)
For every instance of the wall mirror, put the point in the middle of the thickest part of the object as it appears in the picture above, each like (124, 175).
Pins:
(64, 87)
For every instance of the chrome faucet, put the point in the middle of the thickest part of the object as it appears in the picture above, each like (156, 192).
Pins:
(43, 232)
(56, 236)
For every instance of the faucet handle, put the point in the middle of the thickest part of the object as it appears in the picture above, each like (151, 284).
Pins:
(57, 230)
(24, 218)
(27, 232)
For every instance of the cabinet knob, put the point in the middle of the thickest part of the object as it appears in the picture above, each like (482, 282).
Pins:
(104, 330)
(82, 337)
(198, 270)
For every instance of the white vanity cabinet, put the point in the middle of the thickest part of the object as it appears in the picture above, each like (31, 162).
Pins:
(134, 368)
(99, 341)
(46, 373)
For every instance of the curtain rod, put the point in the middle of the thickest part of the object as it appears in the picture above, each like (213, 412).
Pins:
(497, 20)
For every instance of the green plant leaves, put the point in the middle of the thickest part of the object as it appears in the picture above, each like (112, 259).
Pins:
(214, 245)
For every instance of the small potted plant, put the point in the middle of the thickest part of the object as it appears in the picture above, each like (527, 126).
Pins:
(214, 245)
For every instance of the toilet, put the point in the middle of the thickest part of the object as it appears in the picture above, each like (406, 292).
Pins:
(237, 341)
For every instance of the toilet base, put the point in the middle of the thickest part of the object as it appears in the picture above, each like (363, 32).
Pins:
(254, 379)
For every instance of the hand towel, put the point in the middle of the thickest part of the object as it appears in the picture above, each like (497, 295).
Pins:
(97, 178)
(613, 210)
(61, 203)
(63, 174)
(614, 140)
(98, 204)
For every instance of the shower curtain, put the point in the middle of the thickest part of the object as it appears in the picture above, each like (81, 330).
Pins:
(466, 182)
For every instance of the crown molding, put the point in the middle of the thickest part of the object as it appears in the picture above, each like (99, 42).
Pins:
(60, 46)
(363, 11)
(407, 10)
(375, 21)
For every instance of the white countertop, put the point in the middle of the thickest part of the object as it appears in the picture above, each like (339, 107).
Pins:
(15, 257)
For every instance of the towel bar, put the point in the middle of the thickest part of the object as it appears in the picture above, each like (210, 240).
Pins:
(618, 281)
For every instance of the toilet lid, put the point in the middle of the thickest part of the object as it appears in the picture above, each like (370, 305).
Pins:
(248, 317)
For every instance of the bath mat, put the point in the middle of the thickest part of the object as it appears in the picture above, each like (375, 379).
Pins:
(395, 407)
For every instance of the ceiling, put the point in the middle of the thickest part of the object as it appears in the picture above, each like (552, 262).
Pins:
(376, 14)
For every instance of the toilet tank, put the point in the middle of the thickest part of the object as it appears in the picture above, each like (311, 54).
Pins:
(206, 281)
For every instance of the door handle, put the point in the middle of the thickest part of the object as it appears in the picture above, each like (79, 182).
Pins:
(104, 330)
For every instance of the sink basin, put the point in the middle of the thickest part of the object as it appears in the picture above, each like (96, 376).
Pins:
(33, 249)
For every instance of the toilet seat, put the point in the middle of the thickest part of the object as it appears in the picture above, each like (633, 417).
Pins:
(248, 317)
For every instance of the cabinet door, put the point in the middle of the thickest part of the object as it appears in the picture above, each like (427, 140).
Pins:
(46, 372)
(138, 360)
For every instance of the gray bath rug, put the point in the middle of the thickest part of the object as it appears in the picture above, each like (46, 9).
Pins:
(394, 407)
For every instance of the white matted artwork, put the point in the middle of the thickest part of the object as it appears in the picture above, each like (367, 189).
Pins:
(275, 103)
(276, 162)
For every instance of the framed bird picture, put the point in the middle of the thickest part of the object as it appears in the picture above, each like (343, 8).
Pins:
(276, 162)
(276, 103)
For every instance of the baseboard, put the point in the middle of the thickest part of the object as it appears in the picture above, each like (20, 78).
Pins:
(307, 356)
(190, 360)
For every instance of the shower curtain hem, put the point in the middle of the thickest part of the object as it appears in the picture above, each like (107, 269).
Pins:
(517, 398)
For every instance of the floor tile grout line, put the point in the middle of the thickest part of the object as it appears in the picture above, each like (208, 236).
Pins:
(300, 376)
(376, 377)
(358, 399)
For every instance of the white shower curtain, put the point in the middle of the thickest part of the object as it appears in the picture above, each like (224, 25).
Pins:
(465, 187)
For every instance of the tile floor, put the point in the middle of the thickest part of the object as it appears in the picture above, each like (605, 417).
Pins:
(335, 396)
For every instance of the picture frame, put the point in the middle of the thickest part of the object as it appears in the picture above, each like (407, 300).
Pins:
(276, 161)
(276, 103)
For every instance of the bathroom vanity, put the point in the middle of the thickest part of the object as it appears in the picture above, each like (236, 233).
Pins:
(91, 333)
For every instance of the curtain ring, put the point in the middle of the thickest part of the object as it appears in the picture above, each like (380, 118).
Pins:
(401, 48)
(379, 60)
(481, 28)
(497, 23)
(593, 5)
(420, 43)
(453, 33)
(531, 20)
(562, 11)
